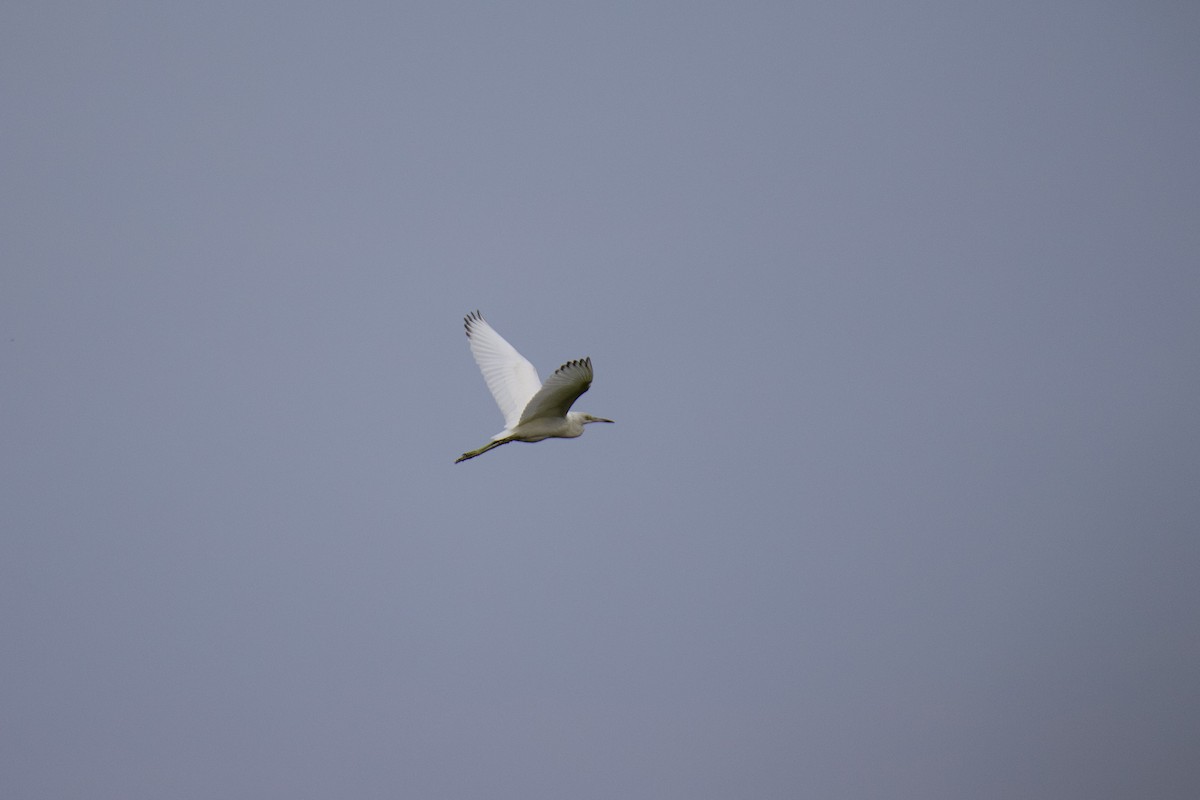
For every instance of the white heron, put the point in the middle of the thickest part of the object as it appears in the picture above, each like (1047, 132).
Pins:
(532, 411)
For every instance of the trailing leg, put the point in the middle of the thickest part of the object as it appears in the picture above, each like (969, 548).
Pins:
(482, 450)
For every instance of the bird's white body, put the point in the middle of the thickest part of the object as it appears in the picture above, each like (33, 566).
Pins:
(532, 411)
(535, 430)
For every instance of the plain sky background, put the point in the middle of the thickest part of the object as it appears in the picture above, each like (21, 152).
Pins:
(896, 305)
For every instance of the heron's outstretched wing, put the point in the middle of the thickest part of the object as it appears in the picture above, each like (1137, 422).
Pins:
(509, 375)
(561, 389)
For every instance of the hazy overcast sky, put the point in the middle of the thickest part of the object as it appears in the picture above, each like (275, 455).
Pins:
(896, 306)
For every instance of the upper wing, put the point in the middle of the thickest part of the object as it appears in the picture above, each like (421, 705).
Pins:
(560, 390)
(509, 375)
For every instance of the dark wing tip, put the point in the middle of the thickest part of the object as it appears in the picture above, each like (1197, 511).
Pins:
(470, 319)
(578, 363)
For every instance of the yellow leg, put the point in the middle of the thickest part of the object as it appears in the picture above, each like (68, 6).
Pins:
(481, 451)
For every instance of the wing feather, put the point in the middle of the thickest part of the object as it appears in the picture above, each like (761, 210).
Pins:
(560, 391)
(512, 380)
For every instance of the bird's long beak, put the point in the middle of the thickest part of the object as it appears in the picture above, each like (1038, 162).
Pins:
(601, 419)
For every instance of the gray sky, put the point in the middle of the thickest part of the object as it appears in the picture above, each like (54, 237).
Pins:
(895, 305)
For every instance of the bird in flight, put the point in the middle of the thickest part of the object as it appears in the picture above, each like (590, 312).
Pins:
(532, 410)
